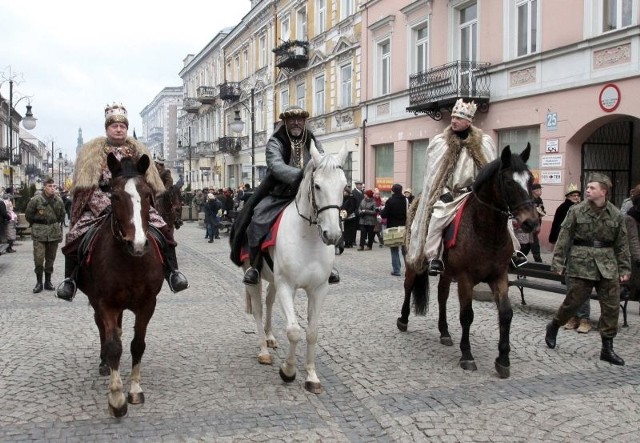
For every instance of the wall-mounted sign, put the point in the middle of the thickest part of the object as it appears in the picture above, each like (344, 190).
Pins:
(551, 161)
(550, 177)
(553, 145)
(609, 98)
(552, 121)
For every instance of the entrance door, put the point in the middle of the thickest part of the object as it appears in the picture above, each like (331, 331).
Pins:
(609, 151)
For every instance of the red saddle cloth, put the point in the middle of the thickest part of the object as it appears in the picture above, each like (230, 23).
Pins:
(268, 241)
(451, 232)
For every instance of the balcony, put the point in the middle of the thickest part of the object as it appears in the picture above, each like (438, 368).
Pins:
(204, 148)
(230, 91)
(292, 55)
(16, 160)
(439, 88)
(190, 105)
(230, 145)
(156, 133)
(207, 94)
(5, 154)
(32, 170)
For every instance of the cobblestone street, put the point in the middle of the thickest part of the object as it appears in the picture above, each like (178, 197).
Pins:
(202, 380)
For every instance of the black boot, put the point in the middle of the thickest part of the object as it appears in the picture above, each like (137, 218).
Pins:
(552, 333)
(67, 288)
(607, 354)
(176, 279)
(436, 266)
(47, 282)
(38, 287)
(334, 277)
(252, 274)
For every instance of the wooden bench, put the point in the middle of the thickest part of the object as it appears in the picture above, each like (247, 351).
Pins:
(22, 227)
(539, 276)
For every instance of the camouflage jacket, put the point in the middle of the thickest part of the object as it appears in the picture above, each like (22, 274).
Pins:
(45, 215)
(584, 224)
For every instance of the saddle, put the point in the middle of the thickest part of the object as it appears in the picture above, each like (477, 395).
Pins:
(267, 242)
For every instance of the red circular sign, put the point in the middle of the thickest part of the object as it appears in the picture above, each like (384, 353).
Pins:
(609, 98)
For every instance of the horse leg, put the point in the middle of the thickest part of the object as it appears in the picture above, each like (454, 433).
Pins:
(285, 296)
(444, 286)
(315, 301)
(505, 315)
(268, 328)
(113, 352)
(255, 294)
(138, 345)
(403, 320)
(465, 292)
(103, 368)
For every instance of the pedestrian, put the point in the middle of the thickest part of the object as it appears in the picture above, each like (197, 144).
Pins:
(165, 174)
(536, 193)
(211, 220)
(358, 194)
(627, 202)
(367, 219)
(395, 212)
(348, 211)
(452, 161)
(632, 220)
(408, 193)
(67, 205)
(45, 214)
(92, 196)
(592, 251)
(380, 222)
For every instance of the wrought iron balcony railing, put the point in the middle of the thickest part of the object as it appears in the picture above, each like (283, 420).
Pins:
(16, 160)
(230, 91)
(190, 104)
(230, 145)
(292, 55)
(438, 89)
(207, 94)
(5, 154)
(157, 132)
(204, 148)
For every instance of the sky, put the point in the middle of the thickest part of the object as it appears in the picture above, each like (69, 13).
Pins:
(74, 57)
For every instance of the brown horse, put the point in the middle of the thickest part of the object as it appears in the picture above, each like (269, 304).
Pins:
(123, 270)
(482, 253)
(169, 206)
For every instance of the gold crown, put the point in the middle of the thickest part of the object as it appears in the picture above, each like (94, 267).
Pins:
(572, 188)
(464, 110)
(115, 113)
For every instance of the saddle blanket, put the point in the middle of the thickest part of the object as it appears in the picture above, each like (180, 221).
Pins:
(451, 232)
(269, 239)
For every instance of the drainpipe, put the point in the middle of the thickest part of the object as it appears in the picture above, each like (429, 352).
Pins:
(364, 148)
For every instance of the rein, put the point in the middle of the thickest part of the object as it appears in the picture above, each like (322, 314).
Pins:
(509, 213)
(313, 218)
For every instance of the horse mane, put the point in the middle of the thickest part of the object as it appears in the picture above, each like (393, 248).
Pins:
(489, 170)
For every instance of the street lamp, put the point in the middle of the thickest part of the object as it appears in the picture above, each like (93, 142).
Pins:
(237, 126)
(189, 148)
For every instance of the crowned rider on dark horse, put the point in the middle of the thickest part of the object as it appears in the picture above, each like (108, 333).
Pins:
(287, 152)
(92, 197)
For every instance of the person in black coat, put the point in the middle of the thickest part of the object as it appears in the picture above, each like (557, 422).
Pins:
(348, 212)
(395, 211)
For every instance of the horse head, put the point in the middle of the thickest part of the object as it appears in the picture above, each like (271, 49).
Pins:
(323, 182)
(130, 202)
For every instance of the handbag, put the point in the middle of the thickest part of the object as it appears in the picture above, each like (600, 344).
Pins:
(393, 236)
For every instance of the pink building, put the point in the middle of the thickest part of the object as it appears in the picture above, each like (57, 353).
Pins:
(559, 75)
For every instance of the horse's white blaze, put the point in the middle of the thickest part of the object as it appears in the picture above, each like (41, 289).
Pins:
(140, 238)
(522, 178)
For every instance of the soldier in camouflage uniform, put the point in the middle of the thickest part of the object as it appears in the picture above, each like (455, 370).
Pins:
(592, 250)
(45, 213)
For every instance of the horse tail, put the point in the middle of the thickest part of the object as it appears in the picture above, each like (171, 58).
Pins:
(420, 291)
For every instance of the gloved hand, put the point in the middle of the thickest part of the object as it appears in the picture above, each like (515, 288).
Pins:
(446, 198)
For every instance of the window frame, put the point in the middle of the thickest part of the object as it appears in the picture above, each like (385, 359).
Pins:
(321, 16)
(383, 66)
(532, 41)
(346, 86)
(319, 95)
(417, 44)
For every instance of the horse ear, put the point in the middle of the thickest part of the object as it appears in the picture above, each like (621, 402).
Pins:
(114, 165)
(143, 164)
(342, 155)
(505, 157)
(315, 154)
(524, 155)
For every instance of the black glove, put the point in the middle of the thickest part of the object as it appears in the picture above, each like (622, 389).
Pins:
(446, 198)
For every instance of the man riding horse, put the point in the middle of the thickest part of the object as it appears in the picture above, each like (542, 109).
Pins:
(92, 197)
(287, 152)
(452, 161)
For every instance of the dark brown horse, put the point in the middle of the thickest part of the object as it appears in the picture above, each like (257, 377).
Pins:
(169, 206)
(482, 253)
(123, 270)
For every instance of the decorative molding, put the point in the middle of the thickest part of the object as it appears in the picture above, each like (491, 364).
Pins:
(388, 20)
(523, 76)
(344, 118)
(383, 109)
(615, 55)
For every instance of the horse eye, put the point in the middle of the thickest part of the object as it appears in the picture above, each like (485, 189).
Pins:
(316, 186)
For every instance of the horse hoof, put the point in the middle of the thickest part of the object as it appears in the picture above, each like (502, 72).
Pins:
(468, 365)
(264, 359)
(285, 378)
(118, 412)
(135, 399)
(503, 371)
(446, 341)
(402, 326)
(273, 344)
(103, 369)
(313, 387)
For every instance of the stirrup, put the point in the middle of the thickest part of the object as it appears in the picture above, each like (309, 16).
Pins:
(251, 276)
(518, 259)
(67, 289)
(436, 266)
(177, 281)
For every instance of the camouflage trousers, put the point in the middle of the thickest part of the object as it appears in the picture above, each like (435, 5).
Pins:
(579, 290)
(44, 254)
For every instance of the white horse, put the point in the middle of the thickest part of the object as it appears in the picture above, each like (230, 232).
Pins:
(303, 257)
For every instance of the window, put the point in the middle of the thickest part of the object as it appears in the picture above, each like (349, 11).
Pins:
(245, 58)
(318, 87)
(237, 65)
(321, 16)
(518, 139)
(527, 26)
(285, 29)
(418, 154)
(421, 48)
(384, 67)
(284, 99)
(383, 167)
(345, 85)
(346, 8)
(616, 14)
(468, 28)
(259, 115)
(301, 24)
(262, 47)
(300, 95)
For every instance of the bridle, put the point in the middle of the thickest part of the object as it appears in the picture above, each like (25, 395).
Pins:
(510, 212)
(315, 210)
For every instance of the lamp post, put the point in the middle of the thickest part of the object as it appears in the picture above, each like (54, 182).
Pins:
(237, 126)
(189, 148)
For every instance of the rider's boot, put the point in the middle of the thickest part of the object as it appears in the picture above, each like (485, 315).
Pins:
(47, 282)
(252, 274)
(436, 266)
(38, 287)
(67, 288)
(334, 277)
(176, 279)
(518, 259)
